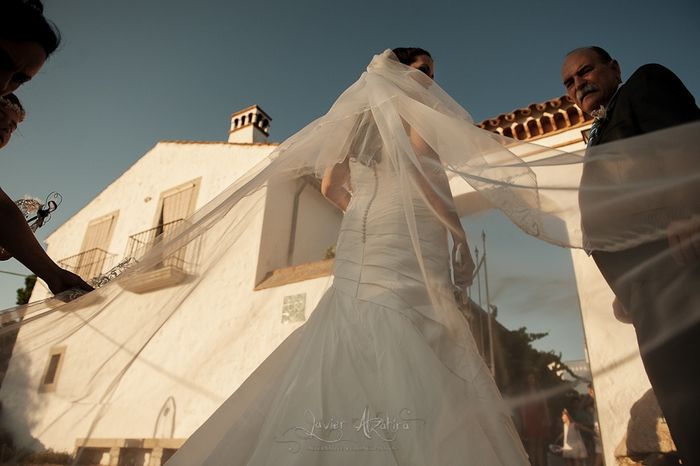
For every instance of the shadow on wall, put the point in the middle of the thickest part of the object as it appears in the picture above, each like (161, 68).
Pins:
(648, 438)
(17, 424)
(165, 422)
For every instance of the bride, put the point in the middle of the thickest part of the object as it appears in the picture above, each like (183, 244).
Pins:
(385, 371)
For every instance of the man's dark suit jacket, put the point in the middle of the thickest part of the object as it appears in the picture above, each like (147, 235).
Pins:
(653, 98)
(662, 294)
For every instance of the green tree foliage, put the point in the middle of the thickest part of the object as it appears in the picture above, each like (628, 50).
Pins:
(520, 358)
(516, 359)
(23, 294)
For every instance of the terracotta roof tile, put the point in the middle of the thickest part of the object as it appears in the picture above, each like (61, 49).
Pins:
(538, 120)
(225, 143)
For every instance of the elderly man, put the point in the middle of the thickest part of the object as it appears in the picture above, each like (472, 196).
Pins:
(657, 283)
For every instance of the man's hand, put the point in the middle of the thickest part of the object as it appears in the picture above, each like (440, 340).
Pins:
(462, 264)
(684, 240)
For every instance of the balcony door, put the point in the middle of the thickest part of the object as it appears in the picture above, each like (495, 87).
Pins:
(175, 206)
(94, 251)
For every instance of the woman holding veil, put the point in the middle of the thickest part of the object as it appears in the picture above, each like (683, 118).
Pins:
(385, 371)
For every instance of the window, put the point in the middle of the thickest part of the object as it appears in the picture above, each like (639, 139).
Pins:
(299, 226)
(167, 454)
(134, 457)
(52, 371)
(50, 376)
(586, 135)
(94, 256)
(92, 456)
(176, 204)
(99, 233)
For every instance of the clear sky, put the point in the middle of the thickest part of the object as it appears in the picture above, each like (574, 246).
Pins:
(130, 73)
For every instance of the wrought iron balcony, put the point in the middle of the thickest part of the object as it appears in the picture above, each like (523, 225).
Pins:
(88, 264)
(184, 258)
(173, 268)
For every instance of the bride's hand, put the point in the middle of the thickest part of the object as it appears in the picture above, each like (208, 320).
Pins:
(462, 264)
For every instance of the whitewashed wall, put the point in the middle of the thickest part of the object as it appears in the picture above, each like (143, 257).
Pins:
(233, 339)
(135, 194)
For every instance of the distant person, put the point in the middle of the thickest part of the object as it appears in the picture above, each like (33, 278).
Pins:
(26, 41)
(572, 448)
(535, 422)
(655, 282)
(595, 457)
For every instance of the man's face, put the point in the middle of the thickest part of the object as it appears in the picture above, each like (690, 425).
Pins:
(588, 80)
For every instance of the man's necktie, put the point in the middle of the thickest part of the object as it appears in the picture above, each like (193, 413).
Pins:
(593, 133)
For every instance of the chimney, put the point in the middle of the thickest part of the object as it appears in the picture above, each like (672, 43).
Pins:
(249, 125)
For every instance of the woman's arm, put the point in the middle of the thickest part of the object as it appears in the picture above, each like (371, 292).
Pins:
(436, 188)
(333, 184)
(18, 239)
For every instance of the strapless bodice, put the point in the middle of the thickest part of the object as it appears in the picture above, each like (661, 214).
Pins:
(376, 257)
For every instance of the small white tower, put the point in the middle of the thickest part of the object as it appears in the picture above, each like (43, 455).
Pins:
(249, 125)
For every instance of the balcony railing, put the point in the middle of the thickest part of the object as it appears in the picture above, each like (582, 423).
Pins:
(184, 259)
(172, 269)
(88, 264)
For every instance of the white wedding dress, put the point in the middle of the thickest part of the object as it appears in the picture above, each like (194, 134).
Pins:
(369, 379)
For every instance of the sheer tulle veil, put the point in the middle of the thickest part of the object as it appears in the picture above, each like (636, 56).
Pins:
(373, 121)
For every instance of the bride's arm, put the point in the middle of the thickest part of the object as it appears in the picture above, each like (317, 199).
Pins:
(333, 184)
(436, 189)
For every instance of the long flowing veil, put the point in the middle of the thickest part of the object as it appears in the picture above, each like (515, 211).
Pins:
(634, 190)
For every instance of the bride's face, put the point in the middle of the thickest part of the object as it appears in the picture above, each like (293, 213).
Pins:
(425, 64)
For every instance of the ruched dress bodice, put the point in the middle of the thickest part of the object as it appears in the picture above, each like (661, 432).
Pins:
(376, 258)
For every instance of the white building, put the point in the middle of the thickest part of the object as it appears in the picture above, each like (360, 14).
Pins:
(260, 288)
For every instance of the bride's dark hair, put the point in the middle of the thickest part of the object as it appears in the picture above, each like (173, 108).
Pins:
(24, 21)
(408, 55)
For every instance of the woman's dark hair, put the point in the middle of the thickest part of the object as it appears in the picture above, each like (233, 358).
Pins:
(408, 55)
(24, 21)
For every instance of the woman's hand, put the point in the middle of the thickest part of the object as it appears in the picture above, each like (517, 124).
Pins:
(61, 280)
(462, 264)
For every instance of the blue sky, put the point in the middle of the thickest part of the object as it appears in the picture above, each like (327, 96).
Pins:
(130, 73)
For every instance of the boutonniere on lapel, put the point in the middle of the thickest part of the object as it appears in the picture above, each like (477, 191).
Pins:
(599, 115)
